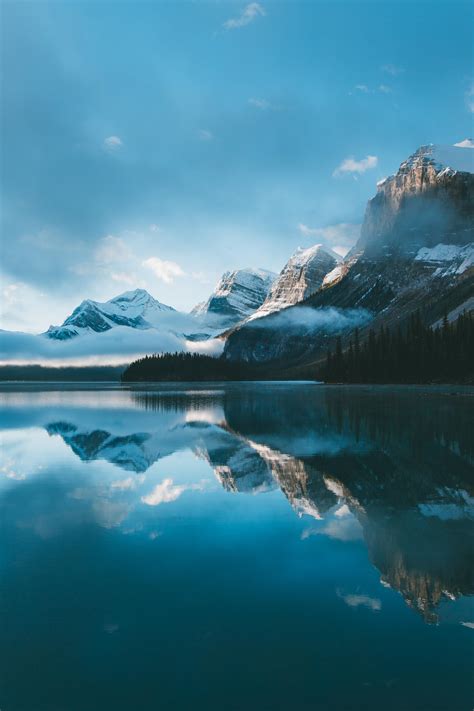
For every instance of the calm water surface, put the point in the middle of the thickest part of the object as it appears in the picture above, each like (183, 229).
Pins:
(247, 547)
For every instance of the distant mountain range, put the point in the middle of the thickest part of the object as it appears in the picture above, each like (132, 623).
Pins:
(416, 251)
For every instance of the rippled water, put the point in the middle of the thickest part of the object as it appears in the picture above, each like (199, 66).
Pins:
(264, 546)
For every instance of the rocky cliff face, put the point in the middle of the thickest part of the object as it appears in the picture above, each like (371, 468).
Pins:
(429, 200)
(416, 251)
(301, 277)
(237, 295)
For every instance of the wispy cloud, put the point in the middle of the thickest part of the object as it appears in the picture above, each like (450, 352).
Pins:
(248, 15)
(350, 165)
(261, 104)
(392, 69)
(364, 89)
(469, 97)
(167, 491)
(205, 135)
(112, 249)
(113, 143)
(164, 270)
(371, 603)
(340, 237)
(128, 278)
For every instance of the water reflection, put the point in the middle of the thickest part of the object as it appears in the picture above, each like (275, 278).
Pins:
(392, 468)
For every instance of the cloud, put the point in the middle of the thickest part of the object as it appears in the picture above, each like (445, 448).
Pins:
(261, 104)
(331, 320)
(163, 269)
(205, 135)
(128, 278)
(112, 249)
(350, 165)
(10, 293)
(363, 88)
(341, 237)
(469, 97)
(167, 491)
(392, 69)
(248, 15)
(119, 345)
(372, 603)
(467, 143)
(128, 484)
(113, 143)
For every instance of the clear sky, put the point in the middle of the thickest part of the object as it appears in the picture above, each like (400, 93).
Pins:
(158, 144)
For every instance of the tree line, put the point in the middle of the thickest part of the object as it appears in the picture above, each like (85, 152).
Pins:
(186, 367)
(415, 354)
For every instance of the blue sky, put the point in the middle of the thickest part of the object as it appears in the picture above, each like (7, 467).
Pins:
(160, 144)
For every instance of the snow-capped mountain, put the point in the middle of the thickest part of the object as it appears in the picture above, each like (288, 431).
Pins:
(415, 252)
(237, 295)
(301, 277)
(135, 309)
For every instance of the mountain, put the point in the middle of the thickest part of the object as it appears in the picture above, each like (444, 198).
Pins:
(301, 277)
(237, 295)
(428, 201)
(135, 309)
(416, 251)
(344, 461)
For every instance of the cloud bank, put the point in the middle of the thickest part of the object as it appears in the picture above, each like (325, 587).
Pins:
(118, 346)
(331, 320)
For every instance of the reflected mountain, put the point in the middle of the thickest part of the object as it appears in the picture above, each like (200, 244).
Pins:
(398, 464)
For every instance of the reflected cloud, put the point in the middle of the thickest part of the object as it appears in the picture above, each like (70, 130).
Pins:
(371, 603)
(384, 469)
(167, 491)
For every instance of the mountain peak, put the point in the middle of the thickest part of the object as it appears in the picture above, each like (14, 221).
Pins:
(135, 309)
(301, 277)
(427, 202)
(133, 295)
(237, 295)
(306, 254)
(454, 157)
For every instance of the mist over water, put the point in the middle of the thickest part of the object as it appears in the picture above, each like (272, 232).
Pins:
(201, 533)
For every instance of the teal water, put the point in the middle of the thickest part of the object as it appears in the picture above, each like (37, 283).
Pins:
(245, 546)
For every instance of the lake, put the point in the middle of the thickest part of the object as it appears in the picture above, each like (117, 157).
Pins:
(240, 546)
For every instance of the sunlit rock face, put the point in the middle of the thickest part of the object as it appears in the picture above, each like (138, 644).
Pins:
(301, 277)
(430, 200)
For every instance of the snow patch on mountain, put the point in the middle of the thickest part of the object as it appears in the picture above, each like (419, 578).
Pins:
(334, 275)
(456, 158)
(457, 258)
